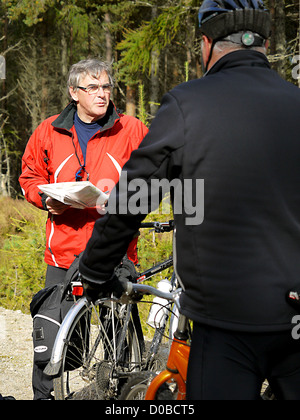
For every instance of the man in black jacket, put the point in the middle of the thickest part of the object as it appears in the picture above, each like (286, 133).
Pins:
(236, 129)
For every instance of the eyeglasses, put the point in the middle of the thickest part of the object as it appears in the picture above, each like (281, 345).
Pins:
(93, 89)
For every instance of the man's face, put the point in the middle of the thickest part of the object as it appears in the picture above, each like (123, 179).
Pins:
(91, 107)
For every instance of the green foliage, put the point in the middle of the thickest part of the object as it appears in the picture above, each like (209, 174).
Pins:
(74, 16)
(154, 247)
(22, 239)
(138, 44)
(30, 10)
(142, 114)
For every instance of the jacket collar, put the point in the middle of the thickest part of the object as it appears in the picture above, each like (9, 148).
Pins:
(240, 58)
(65, 120)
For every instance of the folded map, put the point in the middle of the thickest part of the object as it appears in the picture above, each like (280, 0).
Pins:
(75, 194)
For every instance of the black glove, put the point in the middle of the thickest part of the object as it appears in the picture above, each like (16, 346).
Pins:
(94, 291)
(126, 271)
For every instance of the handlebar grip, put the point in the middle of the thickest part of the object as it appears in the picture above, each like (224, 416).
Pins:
(147, 225)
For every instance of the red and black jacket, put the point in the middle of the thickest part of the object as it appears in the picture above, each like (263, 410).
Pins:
(53, 154)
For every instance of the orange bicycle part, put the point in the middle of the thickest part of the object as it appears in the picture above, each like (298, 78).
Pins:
(176, 371)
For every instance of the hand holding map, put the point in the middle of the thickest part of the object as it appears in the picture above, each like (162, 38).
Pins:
(78, 195)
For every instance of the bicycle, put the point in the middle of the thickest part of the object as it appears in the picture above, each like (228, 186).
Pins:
(99, 345)
(170, 384)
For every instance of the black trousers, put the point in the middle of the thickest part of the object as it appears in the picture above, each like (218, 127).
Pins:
(226, 365)
(43, 384)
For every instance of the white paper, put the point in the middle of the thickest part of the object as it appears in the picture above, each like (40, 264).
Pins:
(75, 194)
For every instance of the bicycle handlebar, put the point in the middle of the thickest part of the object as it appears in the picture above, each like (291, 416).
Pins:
(150, 290)
(159, 227)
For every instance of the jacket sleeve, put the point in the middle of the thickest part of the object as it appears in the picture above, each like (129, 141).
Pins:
(156, 158)
(34, 166)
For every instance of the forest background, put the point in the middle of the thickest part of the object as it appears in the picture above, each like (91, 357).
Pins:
(154, 45)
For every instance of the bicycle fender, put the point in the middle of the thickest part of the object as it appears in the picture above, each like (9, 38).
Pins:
(53, 367)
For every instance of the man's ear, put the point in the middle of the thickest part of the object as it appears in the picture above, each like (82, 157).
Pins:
(267, 44)
(73, 94)
(206, 48)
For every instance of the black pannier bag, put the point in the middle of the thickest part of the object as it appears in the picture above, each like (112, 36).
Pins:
(48, 309)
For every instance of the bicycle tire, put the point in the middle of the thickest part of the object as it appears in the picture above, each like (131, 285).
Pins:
(136, 387)
(93, 367)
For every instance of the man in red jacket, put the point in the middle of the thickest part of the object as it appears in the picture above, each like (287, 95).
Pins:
(89, 140)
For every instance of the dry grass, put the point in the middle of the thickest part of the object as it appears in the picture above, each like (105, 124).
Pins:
(10, 211)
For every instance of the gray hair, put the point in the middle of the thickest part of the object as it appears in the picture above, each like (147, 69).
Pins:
(91, 67)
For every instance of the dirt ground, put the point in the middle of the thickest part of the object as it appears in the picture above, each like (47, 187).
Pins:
(16, 354)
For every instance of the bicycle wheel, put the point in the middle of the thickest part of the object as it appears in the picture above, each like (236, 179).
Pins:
(100, 351)
(136, 387)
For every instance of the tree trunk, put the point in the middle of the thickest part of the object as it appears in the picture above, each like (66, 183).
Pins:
(130, 101)
(154, 92)
(278, 39)
(34, 106)
(64, 69)
(45, 73)
(108, 38)
(5, 45)
(5, 187)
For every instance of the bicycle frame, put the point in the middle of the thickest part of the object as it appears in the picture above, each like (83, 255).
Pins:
(177, 365)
